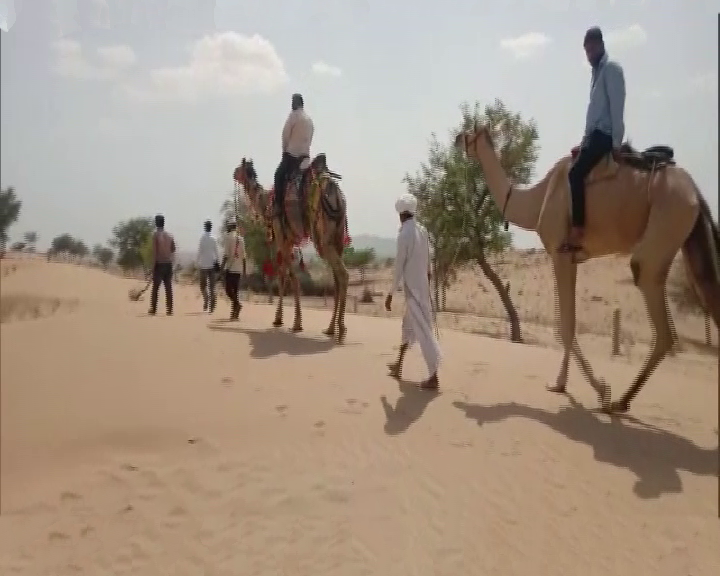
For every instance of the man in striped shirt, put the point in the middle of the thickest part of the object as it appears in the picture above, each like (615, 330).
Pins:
(163, 254)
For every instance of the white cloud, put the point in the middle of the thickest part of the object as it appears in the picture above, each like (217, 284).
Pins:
(625, 38)
(321, 68)
(707, 82)
(110, 63)
(525, 46)
(222, 64)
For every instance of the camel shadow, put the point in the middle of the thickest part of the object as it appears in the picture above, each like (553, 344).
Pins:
(408, 409)
(271, 342)
(655, 456)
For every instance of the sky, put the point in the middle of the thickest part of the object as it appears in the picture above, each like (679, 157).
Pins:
(112, 109)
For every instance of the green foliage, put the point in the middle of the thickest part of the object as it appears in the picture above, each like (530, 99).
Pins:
(103, 255)
(65, 243)
(31, 239)
(131, 239)
(358, 258)
(9, 211)
(454, 202)
(18, 246)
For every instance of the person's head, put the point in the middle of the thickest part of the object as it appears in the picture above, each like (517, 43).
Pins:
(297, 102)
(594, 45)
(160, 221)
(406, 206)
(207, 226)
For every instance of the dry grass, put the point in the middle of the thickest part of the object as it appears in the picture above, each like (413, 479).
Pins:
(15, 307)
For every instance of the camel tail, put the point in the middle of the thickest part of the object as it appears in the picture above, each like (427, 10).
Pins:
(701, 250)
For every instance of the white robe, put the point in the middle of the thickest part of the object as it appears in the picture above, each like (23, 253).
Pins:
(412, 266)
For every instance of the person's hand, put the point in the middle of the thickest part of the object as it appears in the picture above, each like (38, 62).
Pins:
(388, 302)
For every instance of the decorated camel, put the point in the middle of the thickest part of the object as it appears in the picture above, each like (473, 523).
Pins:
(314, 208)
(637, 203)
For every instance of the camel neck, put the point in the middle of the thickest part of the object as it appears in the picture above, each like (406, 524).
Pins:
(523, 206)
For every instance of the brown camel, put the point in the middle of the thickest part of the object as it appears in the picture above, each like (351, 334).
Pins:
(323, 217)
(637, 203)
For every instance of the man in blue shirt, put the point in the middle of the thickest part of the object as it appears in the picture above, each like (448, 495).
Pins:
(604, 128)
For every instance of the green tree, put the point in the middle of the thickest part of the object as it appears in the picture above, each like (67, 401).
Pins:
(64, 243)
(358, 259)
(79, 249)
(103, 255)
(455, 203)
(257, 247)
(31, 239)
(9, 211)
(129, 238)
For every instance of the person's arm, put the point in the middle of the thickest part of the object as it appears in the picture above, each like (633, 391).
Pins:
(400, 260)
(153, 249)
(615, 85)
(287, 131)
(227, 242)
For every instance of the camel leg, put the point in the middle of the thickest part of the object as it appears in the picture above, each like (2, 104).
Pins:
(565, 281)
(658, 311)
(297, 323)
(281, 291)
(334, 259)
(331, 327)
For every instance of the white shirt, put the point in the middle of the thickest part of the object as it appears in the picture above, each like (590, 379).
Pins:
(298, 133)
(234, 252)
(412, 263)
(207, 252)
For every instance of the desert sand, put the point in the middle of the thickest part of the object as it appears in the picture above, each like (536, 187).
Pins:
(193, 446)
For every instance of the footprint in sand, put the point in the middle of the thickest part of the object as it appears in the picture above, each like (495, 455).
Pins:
(353, 406)
(56, 536)
(86, 531)
(282, 410)
(227, 381)
(70, 497)
(319, 427)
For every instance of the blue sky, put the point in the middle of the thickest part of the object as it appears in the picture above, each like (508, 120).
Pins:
(104, 121)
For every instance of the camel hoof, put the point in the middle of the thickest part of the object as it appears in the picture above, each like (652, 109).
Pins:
(277, 323)
(394, 370)
(341, 335)
(297, 328)
(557, 388)
(618, 407)
(329, 332)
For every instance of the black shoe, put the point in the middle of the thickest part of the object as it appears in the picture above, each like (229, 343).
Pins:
(205, 306)
(152, 312)
(169, 312)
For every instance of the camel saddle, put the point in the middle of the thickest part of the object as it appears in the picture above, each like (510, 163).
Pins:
(651, 159)
(299, 211)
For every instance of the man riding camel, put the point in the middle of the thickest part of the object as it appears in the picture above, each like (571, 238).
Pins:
(604, 128)
(297, 138)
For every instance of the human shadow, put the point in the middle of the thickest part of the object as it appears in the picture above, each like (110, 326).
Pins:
(408, 409)
(654, 455)
(271, 342)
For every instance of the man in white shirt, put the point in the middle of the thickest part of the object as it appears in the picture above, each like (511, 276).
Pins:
(208, 260)
(297, 138)
(412, 269)
(234, 265)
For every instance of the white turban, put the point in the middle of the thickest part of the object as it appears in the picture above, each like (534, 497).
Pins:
(406, 203)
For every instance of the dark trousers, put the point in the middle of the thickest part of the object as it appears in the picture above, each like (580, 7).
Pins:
(162, 274)
(232, 289)
(207, 288)
(595, 146)
(287, 165)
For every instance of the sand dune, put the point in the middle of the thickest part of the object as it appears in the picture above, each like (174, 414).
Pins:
(189, 446)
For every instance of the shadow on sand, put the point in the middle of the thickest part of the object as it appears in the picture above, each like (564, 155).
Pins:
(654, 455)
(273, 341)
(408, 408)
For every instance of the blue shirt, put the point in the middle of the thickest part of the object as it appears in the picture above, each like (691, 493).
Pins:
(606, 109)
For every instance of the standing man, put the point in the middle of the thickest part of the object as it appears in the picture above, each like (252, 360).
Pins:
(163, 252)
(412, 267)
(208, 262)
(604, 128)
(234, 265)
(297, 138)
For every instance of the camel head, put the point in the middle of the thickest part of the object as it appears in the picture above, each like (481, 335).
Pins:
(245, 174)
(468, 140)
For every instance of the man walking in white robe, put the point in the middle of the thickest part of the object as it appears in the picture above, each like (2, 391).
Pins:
(412, 268)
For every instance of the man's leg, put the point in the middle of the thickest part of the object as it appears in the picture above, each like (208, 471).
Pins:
(592, 151)
(211, 289)
(204, 287)
(279, 182)
(167, 280)
(234, 289)
(156, 279)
